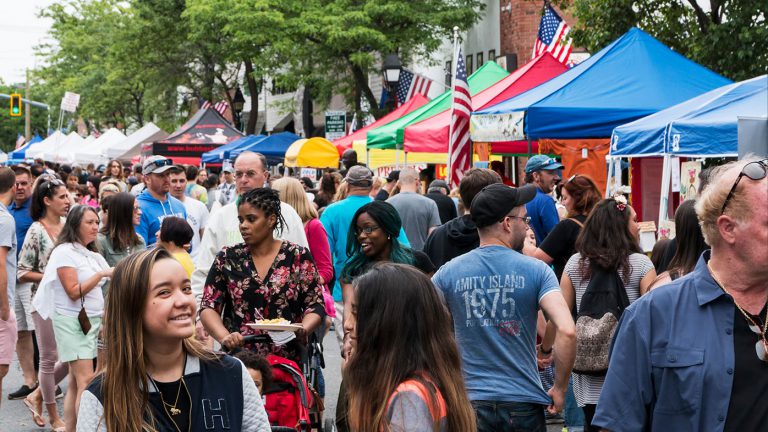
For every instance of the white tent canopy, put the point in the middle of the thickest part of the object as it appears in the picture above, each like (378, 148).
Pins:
(64, 151)
(48, 148)
(130, 147)
(94, 152)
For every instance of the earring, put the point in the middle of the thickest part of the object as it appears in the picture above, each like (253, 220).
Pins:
(389, 237)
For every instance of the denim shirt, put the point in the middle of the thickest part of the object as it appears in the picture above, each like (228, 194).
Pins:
(672, 361)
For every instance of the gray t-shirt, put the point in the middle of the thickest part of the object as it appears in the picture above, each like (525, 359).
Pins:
(419, 214)
(8, 240)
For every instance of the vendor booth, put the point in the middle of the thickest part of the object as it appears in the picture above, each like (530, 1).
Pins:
(221, 153)
(702, 127)
(273, 147)
(205, 131)
(633, 77)
(18, 155)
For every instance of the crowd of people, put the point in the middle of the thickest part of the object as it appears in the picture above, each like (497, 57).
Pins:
(489, 307)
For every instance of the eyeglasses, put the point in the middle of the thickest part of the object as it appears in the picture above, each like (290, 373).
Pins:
(526, 219)
(367, 230)
(249, 174)
(753, 170)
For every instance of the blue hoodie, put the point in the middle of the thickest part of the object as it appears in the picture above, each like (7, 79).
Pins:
(153, 212)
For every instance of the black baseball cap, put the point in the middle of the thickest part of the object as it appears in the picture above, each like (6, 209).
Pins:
(495, 201)
(394, 175)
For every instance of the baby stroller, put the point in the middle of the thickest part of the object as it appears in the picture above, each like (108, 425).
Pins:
(292, 402)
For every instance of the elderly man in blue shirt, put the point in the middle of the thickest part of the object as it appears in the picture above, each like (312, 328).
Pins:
(693, 355)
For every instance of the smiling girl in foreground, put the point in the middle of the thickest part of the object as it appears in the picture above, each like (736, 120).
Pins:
(157, 376)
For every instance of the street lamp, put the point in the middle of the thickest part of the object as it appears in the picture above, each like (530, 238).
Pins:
(391, 69)
(238, 102)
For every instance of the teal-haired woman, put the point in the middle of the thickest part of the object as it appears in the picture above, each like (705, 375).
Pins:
(372, 239)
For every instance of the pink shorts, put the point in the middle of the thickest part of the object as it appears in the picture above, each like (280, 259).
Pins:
(8, 338)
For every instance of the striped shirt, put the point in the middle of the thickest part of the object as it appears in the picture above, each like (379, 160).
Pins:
(587, 388)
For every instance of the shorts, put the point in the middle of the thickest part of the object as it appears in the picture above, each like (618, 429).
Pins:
(70, 340)
(8, 337)
(22, 306)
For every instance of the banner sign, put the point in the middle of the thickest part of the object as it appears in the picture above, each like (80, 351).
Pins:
(335, 125)
(497, 127)
(690, 183)
(171, 150)
(384, 170)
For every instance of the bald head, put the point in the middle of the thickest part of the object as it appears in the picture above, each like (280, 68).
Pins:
(250, 171)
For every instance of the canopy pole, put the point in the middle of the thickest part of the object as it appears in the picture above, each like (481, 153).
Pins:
(608, 186)
(530, 148)
(367, 156)
(664, 199)
(405, 157)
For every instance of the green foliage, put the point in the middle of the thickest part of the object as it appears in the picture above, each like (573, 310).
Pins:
(727, 36)
(133, 61)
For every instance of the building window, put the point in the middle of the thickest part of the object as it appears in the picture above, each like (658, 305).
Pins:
(469, 65)
(448, 73)
(492, 55)
(479, 59)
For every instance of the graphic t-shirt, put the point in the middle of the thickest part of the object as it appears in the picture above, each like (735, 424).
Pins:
(494, 293)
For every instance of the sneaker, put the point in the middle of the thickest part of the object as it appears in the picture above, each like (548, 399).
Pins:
(59, 393)
(22, 392)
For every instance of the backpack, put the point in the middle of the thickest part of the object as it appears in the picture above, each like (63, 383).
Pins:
(288, 399)
(598, 317)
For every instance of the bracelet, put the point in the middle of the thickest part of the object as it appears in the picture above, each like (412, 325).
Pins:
(541, 349)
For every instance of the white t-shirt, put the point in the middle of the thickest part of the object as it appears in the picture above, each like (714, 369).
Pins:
(87, 264)
(197, 216)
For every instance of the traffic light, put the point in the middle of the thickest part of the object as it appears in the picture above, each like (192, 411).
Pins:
(15, 105)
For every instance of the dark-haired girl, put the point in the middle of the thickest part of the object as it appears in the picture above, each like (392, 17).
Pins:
(118, 237)
(690, 244)
(50, 203)
(261, 278)
(610, 240)
(404, 371)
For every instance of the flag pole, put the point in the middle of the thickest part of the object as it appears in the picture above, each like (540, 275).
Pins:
(453, 89)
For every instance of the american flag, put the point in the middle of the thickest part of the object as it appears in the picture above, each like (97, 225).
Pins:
(409, 84)
(220, 107)
(553, 36)
(459, 144)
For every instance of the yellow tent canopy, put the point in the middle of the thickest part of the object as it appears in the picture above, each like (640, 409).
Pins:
(312, 153)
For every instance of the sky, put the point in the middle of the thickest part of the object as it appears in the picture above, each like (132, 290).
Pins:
(20, 31)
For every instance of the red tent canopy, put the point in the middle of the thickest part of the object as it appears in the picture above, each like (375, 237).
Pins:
(205, 131)
(416, 101)
(431, 135)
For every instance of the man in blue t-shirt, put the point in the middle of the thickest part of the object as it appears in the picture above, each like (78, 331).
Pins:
(494, 294)
(543, 172)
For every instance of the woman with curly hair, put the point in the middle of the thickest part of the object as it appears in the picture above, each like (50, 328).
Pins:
(261, 278)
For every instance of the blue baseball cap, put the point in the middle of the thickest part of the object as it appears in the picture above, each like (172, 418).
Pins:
(542, 162)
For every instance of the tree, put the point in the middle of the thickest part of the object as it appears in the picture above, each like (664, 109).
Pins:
(727, 36)
(333, 45)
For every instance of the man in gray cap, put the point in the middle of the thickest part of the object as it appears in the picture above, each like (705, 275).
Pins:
(438, 192)
(543, 172)
(226, 189)
(494, 294)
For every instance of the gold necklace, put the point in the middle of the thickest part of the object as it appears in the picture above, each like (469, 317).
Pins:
(743, 312)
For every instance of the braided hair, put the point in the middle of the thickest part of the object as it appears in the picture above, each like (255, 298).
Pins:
(266, 200)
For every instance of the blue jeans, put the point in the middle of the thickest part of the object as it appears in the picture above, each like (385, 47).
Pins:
(509, 416)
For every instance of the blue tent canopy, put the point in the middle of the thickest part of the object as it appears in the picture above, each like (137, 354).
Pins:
(273, 146)
(633, 77)
(218, 154)
(706, 125)
(21, 152)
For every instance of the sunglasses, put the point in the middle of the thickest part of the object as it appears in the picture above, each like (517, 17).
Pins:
(571, 178)
(49, 185)
(159, 163)
(753, 170)
(762, 344)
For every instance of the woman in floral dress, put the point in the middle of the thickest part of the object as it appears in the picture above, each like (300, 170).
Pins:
(261, 278)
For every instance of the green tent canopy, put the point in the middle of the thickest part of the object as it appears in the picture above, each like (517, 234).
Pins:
(390, 136)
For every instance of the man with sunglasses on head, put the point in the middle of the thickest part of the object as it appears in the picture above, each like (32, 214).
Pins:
(543, 172)
(693, 355)
(494, 294)
(156, 202)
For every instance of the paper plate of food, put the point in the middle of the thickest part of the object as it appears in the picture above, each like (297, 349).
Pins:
(277, 324)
